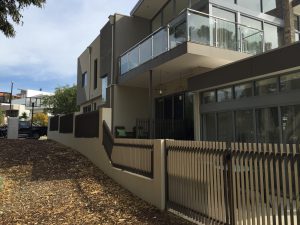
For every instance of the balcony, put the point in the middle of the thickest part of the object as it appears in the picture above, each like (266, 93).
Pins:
(196, 27)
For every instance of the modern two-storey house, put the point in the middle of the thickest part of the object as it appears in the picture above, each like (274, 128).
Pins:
(148, 66)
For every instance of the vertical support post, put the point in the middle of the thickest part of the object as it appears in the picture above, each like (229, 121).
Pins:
(187, 26)
(151, 105)
(10, 97)
(32, 108)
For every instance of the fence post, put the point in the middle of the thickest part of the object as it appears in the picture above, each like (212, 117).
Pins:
(230, 211)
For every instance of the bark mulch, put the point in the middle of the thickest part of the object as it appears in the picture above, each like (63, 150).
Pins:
(43, 182)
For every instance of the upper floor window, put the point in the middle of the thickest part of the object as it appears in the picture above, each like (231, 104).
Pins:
(95, 74)
(254, 5)
(104, 87)
(84, 79)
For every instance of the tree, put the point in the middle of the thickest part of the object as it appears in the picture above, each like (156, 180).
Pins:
(10, 11)
(63, 101)
(24, 116)
(2, 115)
(40, 119)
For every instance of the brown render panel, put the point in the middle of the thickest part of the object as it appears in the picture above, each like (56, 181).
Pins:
(269, 62)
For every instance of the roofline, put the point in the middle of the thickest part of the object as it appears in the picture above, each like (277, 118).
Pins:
(137, 5)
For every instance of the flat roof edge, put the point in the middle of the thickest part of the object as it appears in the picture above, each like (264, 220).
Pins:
(135, 8)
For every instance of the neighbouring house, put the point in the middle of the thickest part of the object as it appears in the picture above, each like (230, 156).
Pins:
(139, 65)
(30, 98)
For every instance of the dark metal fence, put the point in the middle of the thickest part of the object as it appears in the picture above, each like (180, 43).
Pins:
(87, 125)
(165, 129)
(66, 124)
(54, 123)
(241, 184)
(133, 155)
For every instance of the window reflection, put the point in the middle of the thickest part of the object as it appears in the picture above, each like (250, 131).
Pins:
(254, 5)
(273, 36)
(225, 126)
(209, 97)
(243, 90)
(267, 125)
(245, 126)
(290, 117)
(267, 86)
(224, 94)
(209, 127)
(290, 82)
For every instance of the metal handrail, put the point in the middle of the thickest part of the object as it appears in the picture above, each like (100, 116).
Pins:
(168, 25)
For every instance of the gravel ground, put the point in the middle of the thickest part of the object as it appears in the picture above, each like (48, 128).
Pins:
(42, 182)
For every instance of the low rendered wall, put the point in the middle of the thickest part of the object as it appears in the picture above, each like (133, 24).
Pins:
(150, 190)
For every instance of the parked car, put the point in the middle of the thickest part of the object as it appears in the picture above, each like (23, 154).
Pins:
(26, 131)
(3, 131)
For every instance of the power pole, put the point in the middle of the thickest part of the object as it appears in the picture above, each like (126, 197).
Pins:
(10, 97)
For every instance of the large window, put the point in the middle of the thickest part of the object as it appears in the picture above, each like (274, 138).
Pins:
(209, 127)
(84, 79)
(254, 5)
(272, 7)
(209, 97)
(104, 87)
(243, 90)
(290, 117)
(95, 74)
(225, 126)
(273, 36)
(267, 121)
(245, 126)
(224, 94)
(290, 82)
(268, 86)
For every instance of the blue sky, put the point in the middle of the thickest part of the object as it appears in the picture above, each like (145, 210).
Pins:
(44, 52)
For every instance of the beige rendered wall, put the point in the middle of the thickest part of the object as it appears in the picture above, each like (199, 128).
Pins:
(86, 64)
(150, 190)
(130, 103)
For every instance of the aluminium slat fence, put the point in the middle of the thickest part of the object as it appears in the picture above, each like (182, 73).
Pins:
(237, 184)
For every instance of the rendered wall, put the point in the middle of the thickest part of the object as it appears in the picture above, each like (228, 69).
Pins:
(150, 190)
(130, 104)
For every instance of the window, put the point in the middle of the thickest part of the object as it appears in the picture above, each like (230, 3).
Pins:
(273, 36)
(95, 106)
(104, 87)
(95, 74)
(272, 7)
(245, 126)
(290, 82)
(254, 5)
(267, 86)
(209, 127)
(225, 126)
(84, 79)
(87, 109)
(268, 125)
(226, 31)
(243, 90)
(224, 94)
(209, 97)
(290, 117)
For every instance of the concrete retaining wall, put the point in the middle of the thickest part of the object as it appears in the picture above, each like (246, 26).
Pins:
(150, 190)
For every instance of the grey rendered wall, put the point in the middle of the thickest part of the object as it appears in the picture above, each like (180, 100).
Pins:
(130, 103)
(82, 67)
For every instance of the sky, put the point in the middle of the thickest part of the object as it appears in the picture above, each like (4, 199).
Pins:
(45, 50)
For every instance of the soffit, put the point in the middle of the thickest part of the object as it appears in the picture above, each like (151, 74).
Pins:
(147, 8)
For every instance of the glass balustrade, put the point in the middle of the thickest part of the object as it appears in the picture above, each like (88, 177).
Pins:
(198, 28)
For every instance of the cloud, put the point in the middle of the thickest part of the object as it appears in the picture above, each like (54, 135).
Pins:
(47, 45)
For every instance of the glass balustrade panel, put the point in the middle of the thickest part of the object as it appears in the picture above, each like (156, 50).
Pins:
(160, 42)
(200, 28)
(146, 51)
(133, 58)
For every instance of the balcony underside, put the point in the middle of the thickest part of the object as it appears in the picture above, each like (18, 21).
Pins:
(184, 61)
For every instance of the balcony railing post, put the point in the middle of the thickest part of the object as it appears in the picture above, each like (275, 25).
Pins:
(139, 60)
(152, 47)
(241, 39)
(187, 25)
(168, 37)
(216, 32)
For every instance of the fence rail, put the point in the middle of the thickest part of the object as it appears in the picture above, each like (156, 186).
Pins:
(241, 184)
